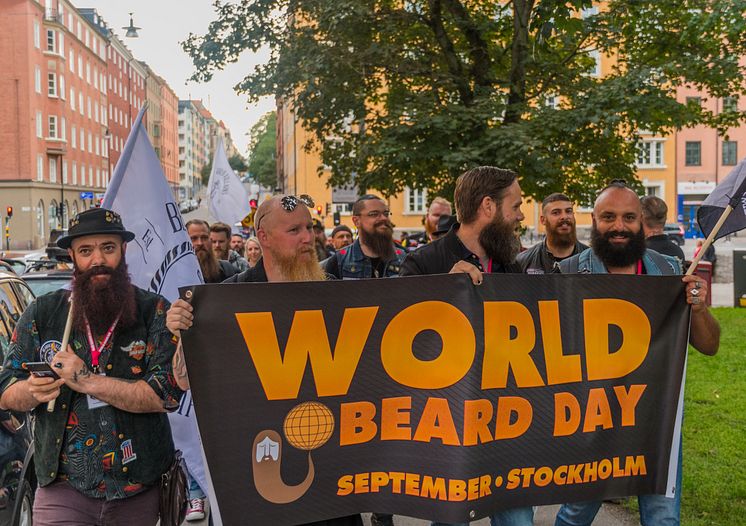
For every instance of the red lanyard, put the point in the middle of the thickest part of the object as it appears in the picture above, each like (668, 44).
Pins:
(489, 266)
(639, 267)
(96, 351)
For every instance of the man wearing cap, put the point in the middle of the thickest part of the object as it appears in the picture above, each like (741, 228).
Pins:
(101, 450)
(341, 237)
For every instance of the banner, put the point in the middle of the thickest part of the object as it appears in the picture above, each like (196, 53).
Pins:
(430, 397)
(161, 258)
(227, 199)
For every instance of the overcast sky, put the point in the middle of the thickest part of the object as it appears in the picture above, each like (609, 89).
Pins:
(166, 23)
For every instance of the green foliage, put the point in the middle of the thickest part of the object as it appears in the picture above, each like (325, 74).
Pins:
(413, 92)
(262, 158)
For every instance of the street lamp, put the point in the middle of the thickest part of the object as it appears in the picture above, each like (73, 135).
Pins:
(131, 29)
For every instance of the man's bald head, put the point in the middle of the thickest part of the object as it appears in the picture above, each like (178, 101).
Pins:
(616, 191)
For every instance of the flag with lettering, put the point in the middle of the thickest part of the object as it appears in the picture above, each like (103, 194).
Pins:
(227, 199)
(160, 258)
(729, 192)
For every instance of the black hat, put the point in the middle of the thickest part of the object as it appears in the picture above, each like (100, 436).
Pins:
(444, 225)
(95, 221)
(341, 228)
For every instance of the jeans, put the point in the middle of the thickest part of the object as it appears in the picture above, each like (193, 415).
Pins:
(511, 517)
(655, 510)
(194, 491)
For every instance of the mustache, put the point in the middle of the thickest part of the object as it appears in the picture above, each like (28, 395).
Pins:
(618, 233)
(100, 270)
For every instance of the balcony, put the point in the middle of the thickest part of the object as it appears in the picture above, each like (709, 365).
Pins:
(55, 146)
(53, 16)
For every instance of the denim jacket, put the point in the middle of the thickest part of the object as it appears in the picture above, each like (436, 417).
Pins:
(353, 264)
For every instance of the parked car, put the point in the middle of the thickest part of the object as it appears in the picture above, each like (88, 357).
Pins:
(16, 265)
(43, 281)
(675, 233)
(17, 476)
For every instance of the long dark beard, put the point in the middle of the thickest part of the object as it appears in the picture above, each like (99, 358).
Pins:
(295, 268)
(101, 302)
(209, 265)
(618, 256)
(500, 241)
(561, 240)
(381, 243)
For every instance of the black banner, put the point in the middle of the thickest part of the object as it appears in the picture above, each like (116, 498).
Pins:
(433, 398)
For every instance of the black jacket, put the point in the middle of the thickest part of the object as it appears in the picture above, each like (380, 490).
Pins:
(538, 259)
(439, 256)
(663, 245)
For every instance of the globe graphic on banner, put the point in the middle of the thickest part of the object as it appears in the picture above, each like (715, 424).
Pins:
(308, 425)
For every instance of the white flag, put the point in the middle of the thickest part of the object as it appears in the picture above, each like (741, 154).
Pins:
(160, 259)
(227, 199)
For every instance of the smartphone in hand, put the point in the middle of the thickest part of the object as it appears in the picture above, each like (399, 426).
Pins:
(41, 370)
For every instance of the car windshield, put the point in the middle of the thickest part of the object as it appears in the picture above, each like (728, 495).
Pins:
(46, 285)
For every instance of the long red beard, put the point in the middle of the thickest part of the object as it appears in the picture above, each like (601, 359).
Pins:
(101, 302)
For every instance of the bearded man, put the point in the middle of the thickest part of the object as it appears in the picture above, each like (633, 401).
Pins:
(561, 241)
(214, 270)
(220, 237)
(618, 247)
(285, 230)
(488, 208)
(373, 254)
(115, 384)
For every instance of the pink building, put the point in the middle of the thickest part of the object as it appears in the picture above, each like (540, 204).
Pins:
(703, 157)
(52, 116)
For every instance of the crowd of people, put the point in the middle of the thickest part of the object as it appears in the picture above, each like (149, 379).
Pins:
(102, 448)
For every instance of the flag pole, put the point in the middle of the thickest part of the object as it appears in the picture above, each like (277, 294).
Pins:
(65, 340)
(710, 239)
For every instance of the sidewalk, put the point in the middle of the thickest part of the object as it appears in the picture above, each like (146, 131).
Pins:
(610, 515)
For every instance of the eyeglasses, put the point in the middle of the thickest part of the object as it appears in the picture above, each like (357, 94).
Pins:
(375, 214)
(289, 203)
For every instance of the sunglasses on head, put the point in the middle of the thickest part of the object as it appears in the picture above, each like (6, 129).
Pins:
(290, 202)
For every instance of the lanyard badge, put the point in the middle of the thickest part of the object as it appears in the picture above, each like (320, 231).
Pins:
(96, 351)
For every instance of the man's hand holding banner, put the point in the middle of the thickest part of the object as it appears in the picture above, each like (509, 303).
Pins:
(432, 398)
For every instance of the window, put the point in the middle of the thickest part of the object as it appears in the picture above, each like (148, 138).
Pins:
(53, 219)
(90, 176)
(694, 101)
(64, 174)
(73, 137)
(52, 84)
(72, 99)
(53, 169)
(75, 172)
(39, 125)
(71, 62)
(37, 35)
(730, 104)
(62, 87)
(98, 177)
(82, 140)
(415, 200)
(90, 113)
(88, 72)
(80, 66)
(52, 127)
(51, 41)
(62, 44)
(596, 56)
(650, 154)
(80, 103)
(693, 153)
(63, 131)
(39, 167)
(730, 153)
(90, 142)
(40, 218)
(37, 79)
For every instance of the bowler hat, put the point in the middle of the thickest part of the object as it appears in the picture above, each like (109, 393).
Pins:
(95, 221)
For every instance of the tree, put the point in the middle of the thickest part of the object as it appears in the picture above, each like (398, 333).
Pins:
(262, 156)
(413, 92)
(236, 161)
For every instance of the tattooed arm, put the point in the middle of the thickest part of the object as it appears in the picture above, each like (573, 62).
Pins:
(179, 368)
(133, 396)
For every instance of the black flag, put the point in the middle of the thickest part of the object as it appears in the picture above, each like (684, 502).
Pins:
(729, 192)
